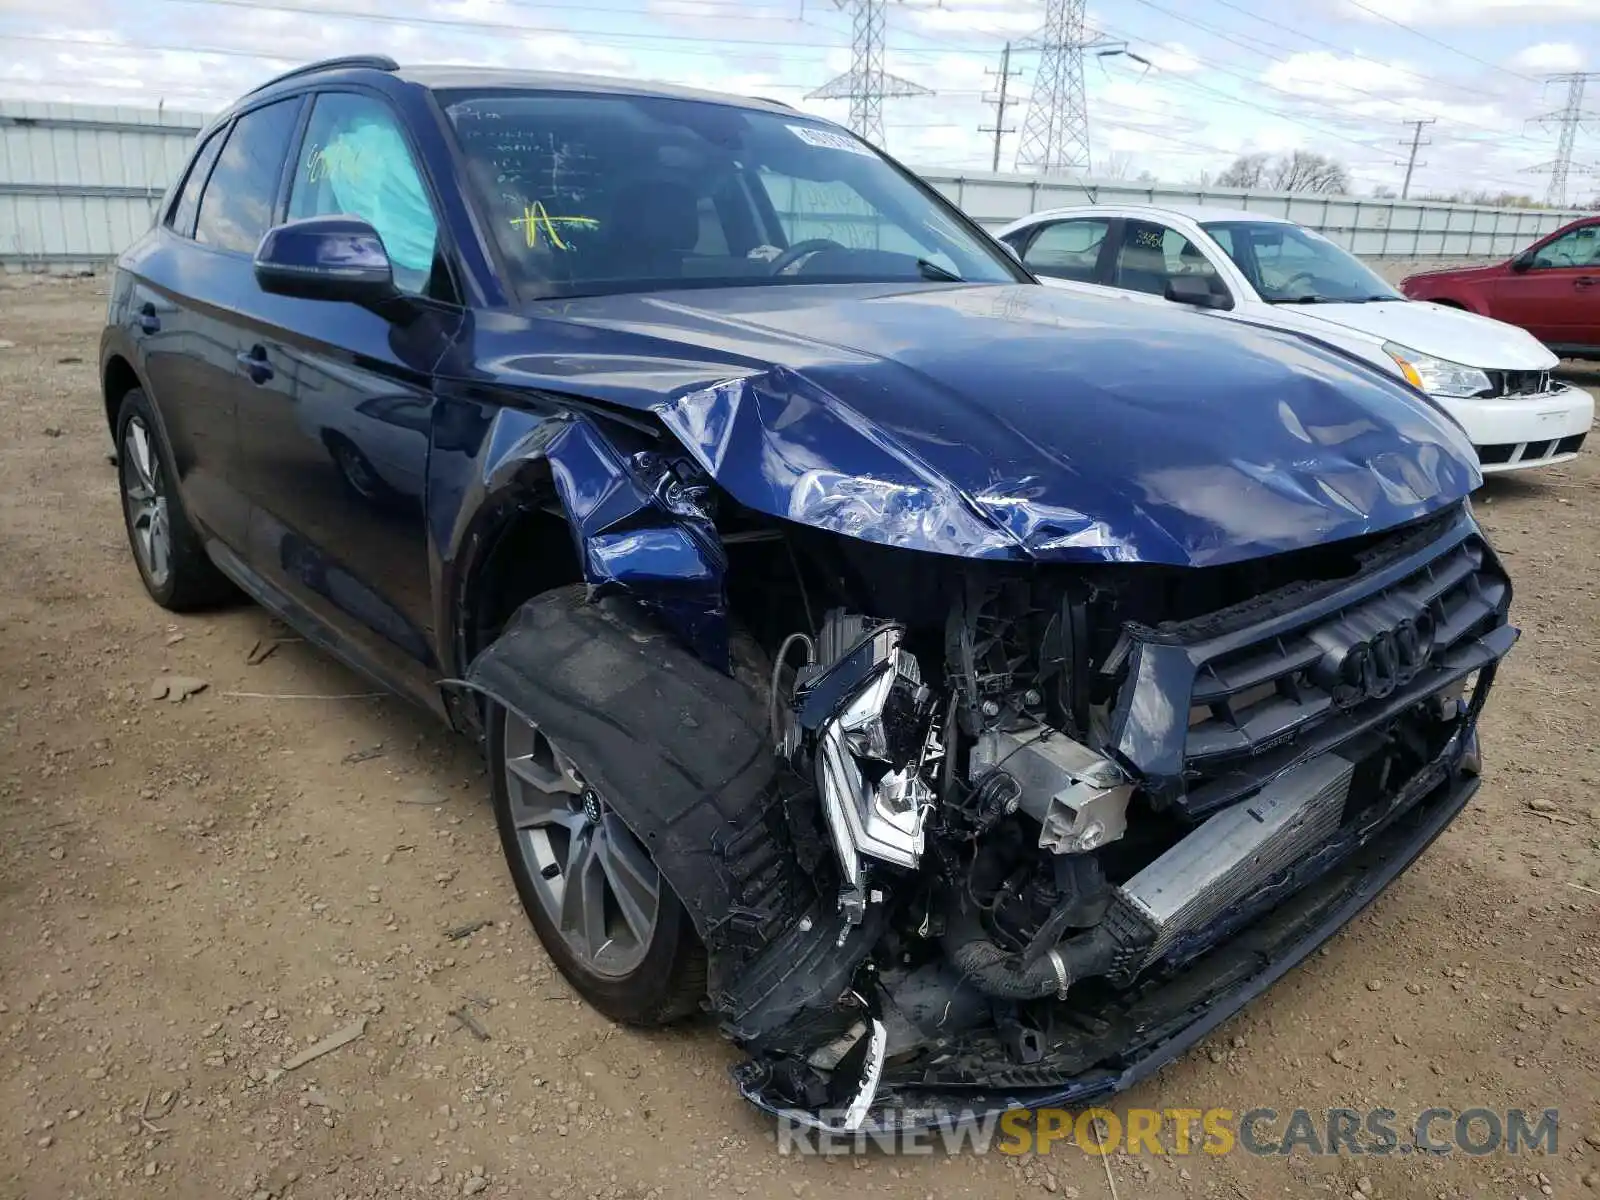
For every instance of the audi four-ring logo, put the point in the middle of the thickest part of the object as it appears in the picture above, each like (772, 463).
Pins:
(1374, 668)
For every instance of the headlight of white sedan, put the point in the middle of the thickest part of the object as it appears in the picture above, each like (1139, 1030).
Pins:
(1436, 376)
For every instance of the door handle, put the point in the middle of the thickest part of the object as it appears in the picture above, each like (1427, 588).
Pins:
(1583, 281)
(148, 321)
(253, 362)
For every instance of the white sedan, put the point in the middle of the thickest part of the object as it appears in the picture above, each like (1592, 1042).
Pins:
(1492, 377)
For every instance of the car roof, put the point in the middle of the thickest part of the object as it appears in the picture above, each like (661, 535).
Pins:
(1194, 212)
(449, 78)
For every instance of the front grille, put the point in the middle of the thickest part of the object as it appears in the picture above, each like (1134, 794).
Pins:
(1497, 452)
(1516, 383)
(1211, 709)
(1502, 453)
(1252, 698)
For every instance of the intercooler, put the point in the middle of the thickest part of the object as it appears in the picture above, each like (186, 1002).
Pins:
(1228, 857)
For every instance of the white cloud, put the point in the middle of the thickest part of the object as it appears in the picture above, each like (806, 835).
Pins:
(1426, 13)
(1002, 18)
(1549, 56)
(1323, 75)
(1172, 57)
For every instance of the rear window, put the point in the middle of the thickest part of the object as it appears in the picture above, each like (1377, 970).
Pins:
(236, 206)
(183, 213)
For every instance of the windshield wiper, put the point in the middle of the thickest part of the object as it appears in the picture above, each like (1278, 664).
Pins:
(932, 270)
(1312, 298)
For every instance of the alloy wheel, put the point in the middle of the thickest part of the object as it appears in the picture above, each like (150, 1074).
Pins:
(592, 876)
(144, 496)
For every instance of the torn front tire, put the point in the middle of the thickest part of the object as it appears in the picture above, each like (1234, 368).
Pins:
(613, 749)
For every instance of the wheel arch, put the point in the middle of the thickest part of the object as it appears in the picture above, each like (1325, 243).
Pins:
(117, 378)
(561, 498)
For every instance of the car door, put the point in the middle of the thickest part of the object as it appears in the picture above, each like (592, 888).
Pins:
(1557, 298)
(1072, 253)
(1147, 255)
(337, 459)
(183, 309)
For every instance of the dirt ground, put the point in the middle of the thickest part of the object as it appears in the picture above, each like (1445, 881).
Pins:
(191, 893)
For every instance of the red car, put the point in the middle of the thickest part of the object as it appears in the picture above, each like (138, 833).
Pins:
(1551, 289)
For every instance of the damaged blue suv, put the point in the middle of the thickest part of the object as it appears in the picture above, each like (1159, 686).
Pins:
(969, 694)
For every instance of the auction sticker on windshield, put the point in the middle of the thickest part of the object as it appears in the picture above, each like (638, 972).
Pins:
(826, 139)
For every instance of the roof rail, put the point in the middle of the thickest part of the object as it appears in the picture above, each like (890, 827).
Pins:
(374, 62)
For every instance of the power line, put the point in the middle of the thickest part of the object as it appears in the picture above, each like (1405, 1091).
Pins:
(1428, 37)
(466, 24)
(1001, 102)
(1411, 160)
(1296, 96)
(1568, 120)
(1334, 46)
(866, 84)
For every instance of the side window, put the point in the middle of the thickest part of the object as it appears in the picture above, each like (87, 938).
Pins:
(355, 161)
(1067, 249)
(236, 206)
(1576, 248)
(1152, 254)
(183, 212)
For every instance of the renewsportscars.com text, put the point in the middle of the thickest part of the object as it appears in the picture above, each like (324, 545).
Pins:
(1263, 1131)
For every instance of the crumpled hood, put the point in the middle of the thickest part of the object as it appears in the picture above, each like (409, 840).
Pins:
(1010, 421)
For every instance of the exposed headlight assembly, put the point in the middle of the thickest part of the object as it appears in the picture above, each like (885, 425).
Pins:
(1436, 376)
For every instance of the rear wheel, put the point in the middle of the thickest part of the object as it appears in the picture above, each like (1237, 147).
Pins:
(607, 918)
(171, 560)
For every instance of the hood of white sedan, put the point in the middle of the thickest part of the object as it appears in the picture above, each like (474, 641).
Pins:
(1435, 329)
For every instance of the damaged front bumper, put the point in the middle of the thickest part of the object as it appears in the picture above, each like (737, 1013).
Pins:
(1129, 1034)
(1078, 913)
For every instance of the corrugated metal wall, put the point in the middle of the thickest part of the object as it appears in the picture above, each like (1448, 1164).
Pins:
(1372, 228)
(80, 182)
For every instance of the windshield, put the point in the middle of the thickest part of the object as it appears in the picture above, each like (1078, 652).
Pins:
(1290, 265)
(589, 194)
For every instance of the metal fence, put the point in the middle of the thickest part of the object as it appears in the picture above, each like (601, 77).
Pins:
(1372, 228)
(79, 182)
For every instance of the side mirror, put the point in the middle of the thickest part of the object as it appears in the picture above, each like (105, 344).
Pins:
(1012, 250)
(1522, 261)
(1196, 290)
(326, 258)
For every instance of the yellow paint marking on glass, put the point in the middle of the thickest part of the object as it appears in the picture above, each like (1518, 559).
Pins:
(536, 217)
(335, 161)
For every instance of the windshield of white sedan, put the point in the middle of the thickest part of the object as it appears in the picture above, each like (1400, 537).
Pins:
(592, 194)
(1290, 265)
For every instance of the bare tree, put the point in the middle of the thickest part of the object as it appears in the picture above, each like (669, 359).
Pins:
(1300, 171)
(1485, 197)
(1116, 166)
(1308, 171)
(1247, 171)
(1384, 192)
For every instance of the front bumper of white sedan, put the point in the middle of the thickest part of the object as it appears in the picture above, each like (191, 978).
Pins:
(1511, 433)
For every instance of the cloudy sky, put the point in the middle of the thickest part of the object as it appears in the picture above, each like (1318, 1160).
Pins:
(1225, 76)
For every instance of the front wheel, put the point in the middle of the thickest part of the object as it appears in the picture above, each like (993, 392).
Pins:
(598, 902)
